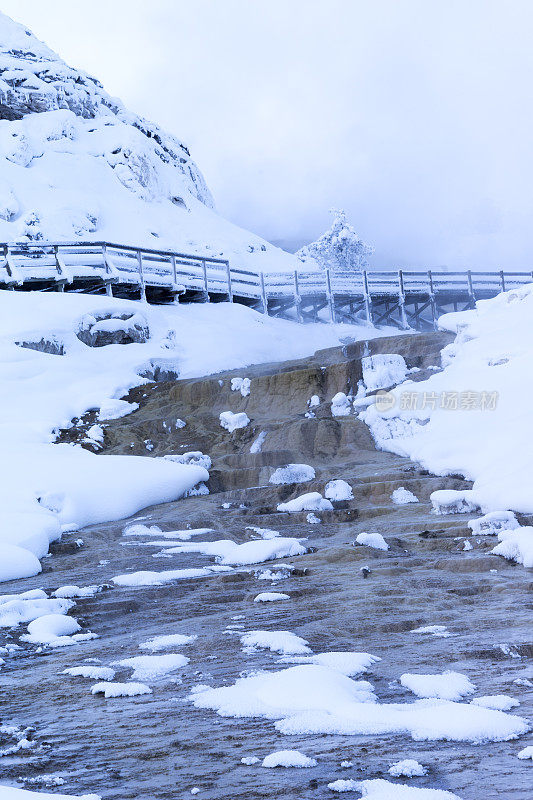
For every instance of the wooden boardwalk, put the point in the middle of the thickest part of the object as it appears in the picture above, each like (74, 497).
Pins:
(403, 299)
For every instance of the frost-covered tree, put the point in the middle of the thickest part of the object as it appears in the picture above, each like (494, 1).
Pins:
(339, 248)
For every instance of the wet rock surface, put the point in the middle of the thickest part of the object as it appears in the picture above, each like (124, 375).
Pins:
(342, 597)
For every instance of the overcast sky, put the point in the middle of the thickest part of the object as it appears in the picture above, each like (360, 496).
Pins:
(412, 115)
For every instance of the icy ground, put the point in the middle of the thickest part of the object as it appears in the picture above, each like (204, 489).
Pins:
(47, 488)
(402, 672)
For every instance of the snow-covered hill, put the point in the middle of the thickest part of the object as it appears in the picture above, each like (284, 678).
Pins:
(74, 163)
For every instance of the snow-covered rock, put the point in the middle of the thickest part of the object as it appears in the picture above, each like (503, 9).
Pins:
(452, 501)
(283, 642)
(446, 686)
(383, 371)
(340, 405)
(402, 496)
(112, 689)
(270, 597)
(233, 422)
(241, 385)
(492, 523)
(408, 767)
(338, 490)
(374, 540)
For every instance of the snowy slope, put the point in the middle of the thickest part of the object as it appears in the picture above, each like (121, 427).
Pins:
(74, 163)
(45, 487)
(488, 364)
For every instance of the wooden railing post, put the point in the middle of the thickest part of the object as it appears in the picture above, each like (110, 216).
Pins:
(230, 290)
(401, 301)
(502, 280)
(141, 275)
(206, 284)
(471, 293)
(368, 299)
(264, 299)
(108, 287)
(297, 298)
(330, 297)
(174, 274)
(432, 302)
(61, 278)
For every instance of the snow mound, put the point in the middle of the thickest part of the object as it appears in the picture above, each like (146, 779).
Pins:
(492, 523)
(346, 662)
(120, 689)
(149, 668)
(77, 591)
(402, 496)
(152, 578)
(29, 606)
(311, 501)
(313, 699)
(276, 641)
(232, 422)
(499, 702)
(340, 405)
(452, 501)
(374, 540)
(408, 768)
(338, 490)
(55, 630)
(270, 597)
(90, 671)
(516, 545)
(257, 551)
(526, 753)
(11, 793)
(288, 758)
(167, 640)
(292, 473)
(447, 686)
(379, 789)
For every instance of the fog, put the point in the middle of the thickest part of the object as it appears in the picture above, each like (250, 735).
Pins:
(412, 115)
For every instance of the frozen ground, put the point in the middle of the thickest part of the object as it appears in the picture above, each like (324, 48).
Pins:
(350, 605)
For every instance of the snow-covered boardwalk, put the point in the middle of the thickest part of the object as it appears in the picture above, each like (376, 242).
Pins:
(404, 299)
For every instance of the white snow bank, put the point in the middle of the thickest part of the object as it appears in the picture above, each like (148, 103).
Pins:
(479, 406)
(229, 553)
(232, 422)
(313, 699)
(120, 689)
(402, 496)
(338, 490)
(157, 643)
(288, 758)
(408, 767)
(41, 493)
(90, 671)
(77, 591)
(116, 409)
(292, 473)
(311, 501)
(270, 597)
(516, 545)
(374, 540)
(283, 642)
(149, 668)
(383, 371)
(447, 686)
(493, 522)
(152, 578)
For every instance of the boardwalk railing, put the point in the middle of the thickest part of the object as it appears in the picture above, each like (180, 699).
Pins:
(404, 299)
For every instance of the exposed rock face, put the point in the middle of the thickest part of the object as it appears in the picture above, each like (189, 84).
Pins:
(101, 330)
